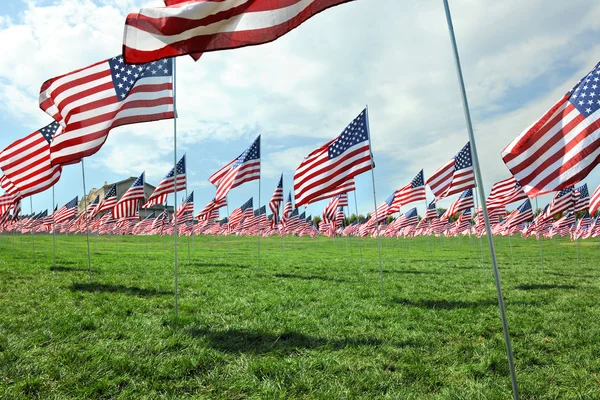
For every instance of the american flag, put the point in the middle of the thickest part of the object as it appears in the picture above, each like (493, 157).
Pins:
(245, 168)
(109, 201)
(186, 210)
(343, 188)
(287, 210)
(463, 223)
(89, 102)
(167, 185)
(381, 213)
(277, 199)
(66, 212)
(455, 176)
(326, 168)
(464, 202)
(563, 201)
(127, 206)
(330, 209)
(521, 214)
(431, 211)
(582, 201)
(237, 215)
(199, 26)
(144, 225)
(562, 147)
(408, 218)
(339, 217)
(209, 210)
(8, 186)
(505, 192)
(414, 191)
(595, 201)
(565, 224)
(159, 223)
(26, 162)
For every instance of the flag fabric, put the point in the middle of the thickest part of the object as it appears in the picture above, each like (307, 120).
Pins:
(245, 168)
(167, 185)
(463, 223)
(186, 207)
(381, 213)
(563, 146)
(287, 210)
(109, 201)
(582, 200)
(66, 212)
(277, 198)
(563, 201)
(464, 202)
(89, 102)
(209, 210)
(595, 201)
(237, 215)
(522, 214)
(347, 186)
(198, 26)
(505, 192)
(414, 191)
(127, 206)
(26, 162)
(455, 176)
(330, 165)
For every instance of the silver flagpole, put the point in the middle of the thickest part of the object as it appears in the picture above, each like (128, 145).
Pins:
(87, 226)
(33, 236)
(375, 204)
(176, 271)
(259, 216)
(53, 227)
(538, 236)
(511, 366)
(356, 233)
(480, 240)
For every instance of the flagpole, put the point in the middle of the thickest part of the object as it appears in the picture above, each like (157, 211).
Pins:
(358, 236)
(375, 204)
(259, 216)
(176, 271)
(511, 366)
(53, 227)
(539, 239)
(480, 240)
(33, 236)
(87, 227)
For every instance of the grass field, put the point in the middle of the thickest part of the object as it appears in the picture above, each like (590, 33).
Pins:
(310, 324)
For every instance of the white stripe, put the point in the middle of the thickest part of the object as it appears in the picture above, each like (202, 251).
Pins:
(144, 41)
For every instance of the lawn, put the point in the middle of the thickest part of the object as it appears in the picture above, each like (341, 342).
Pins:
(311, 323)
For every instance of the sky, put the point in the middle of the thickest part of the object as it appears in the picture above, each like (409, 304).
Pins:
(518, 59)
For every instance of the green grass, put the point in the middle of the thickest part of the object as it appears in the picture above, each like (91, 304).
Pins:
(310, 324)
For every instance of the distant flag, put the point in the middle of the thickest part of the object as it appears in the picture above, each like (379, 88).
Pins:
(66, 212)
(464, 202)
(332, 164)
(563, 201)
(109, 201)
(582, 200)
(127, 206)
(414, 191)
(167, 185)
(595, 201)
(563, 146)
(245, 168)
(201, 26)
(505, 192)
(455, 176)
(287, 209)
(237, 215)
(381, 213)
(187, 207)
(89, 102)
(522, 214)
(277, 198)
(91, 208)
(342, 189)
(431, 211)
(26, 162)
(161, 220)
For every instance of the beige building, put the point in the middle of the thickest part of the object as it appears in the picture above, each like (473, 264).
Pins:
(122, 187)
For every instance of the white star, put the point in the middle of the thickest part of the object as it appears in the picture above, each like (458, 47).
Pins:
(588, 110)
(117, 75)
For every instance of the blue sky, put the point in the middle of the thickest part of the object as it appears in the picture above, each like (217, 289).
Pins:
(302, 90)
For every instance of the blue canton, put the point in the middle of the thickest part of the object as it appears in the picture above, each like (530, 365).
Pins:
(583, 191)
(390, 199)
(139, 181)
(463, 158)
(111, 193)
(565, 192)
(431, 205)
(418, 181)
(73, 203)
(467, 193)
(49, 131)
(411, 213)
(248, 204)
(251, 153)
(525, 206)
(586, 94)
(354, 133)
(180, 168)
(125, 76)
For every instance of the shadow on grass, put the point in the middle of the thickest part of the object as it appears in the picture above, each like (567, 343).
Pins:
(105, 288)
(443, 304)
(310, 278)
(60, 268)
(216, 264)
(575, 275)
(260, 342)
(542, 286)
(409, 271)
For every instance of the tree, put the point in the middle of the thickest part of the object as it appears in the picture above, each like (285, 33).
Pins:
(390, 219)
(316, 220)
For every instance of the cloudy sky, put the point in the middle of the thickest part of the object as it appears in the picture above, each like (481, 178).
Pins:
(301, 90)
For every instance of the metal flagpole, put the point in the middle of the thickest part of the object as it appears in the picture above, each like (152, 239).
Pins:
(480, 240)
(33, 236)
(538, 237)
(259, 216)
(375, 204)
(355, 234)
(176, 271)
(511, 366)
(87, 226)
(53, 227)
